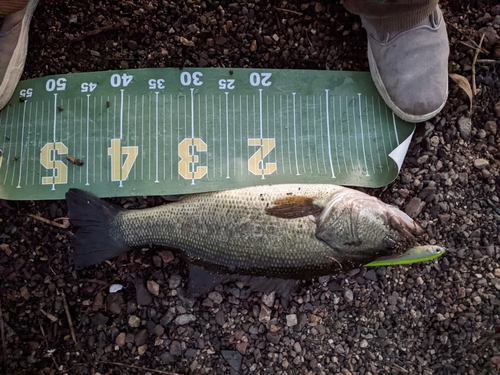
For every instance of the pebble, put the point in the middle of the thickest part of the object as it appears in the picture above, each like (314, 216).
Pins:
(382, 333)
(219, 318)
(233, 358)
(297, 348)
(167, 358)
(134, 321)
(184, 319)
(371, 275)
(265, 314)
(175, 348)
(120, 339)
(481, 163)
(153, 287)
(268, 299)
(465, 127)
(216, 297)
(174, 281)
(141, 337)
(291, 320)
(414, 207)
(100, 319)
(349, 295)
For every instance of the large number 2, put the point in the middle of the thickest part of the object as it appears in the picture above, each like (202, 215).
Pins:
(48, 160)
(256, 162)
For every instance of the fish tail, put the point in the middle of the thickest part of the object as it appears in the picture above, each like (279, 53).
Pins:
(96, 237)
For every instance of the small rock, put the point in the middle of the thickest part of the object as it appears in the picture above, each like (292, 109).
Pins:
(481, 163)
(134, 321)
(382, 333)
(175, 348)
(142, 294)
(174, 281)
(113, 288)
(186, 42)
(132, 45)
(167, 358)
(349, 295)
(190, 353)
(219, 318)
(241, 347)
(291, 320)
(265, 314)
(100, 319)
(497, 109)
(184, 319)
(120, 339)
(141, 337)
(491, 127)
(253, 46)
(220, 40)
(268, 299)
(414, 207)
(153, 287)
(371, 275)
(142, 349)
(216, 297)
(363, 344)
(465, 127)
(233, 358)
(166, 256)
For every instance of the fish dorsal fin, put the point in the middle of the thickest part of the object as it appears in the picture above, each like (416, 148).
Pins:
(294, 206)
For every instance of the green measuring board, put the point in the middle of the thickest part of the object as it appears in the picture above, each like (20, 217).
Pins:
(172, 131)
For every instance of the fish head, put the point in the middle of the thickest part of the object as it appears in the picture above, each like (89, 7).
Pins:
(362, 228)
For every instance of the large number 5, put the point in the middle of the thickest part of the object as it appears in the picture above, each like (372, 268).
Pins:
(48, 160)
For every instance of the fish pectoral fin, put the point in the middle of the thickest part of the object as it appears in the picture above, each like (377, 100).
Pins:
(294, 206)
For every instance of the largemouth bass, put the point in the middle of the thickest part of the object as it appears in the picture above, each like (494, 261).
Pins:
(280, 231)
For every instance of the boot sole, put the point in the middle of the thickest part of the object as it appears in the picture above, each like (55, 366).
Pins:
(16, 65)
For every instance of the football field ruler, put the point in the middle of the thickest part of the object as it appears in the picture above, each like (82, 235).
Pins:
(171, 131)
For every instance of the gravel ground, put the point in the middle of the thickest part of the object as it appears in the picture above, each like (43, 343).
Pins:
(435, 318)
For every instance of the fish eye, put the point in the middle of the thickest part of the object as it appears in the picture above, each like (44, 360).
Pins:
(390, 244)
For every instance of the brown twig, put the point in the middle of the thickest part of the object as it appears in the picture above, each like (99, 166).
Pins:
(68, 316)
(290, 11)
(95, 32)
(474, 90)
(139, 368)
(47, 221)
(469, 38)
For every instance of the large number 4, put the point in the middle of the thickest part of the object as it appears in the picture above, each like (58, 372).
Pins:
(120, 172)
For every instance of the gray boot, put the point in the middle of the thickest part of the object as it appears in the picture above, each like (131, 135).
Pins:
(410, 68)
(13, 49)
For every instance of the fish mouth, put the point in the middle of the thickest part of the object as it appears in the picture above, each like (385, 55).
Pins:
(403, 226)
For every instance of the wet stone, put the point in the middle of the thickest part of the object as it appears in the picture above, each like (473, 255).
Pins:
(175, 348)
(233, 359)
(184, 319)
(371, 275)
(134, 321)
(291, 320)
(219, 318)
(141, 337)
(100, 319)
(216, 297)
(174, 281)
(349, 295)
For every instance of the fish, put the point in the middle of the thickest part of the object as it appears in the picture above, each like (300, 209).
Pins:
(284, 231)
